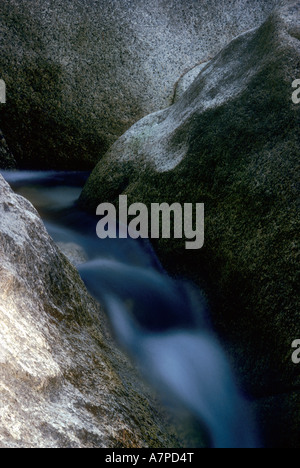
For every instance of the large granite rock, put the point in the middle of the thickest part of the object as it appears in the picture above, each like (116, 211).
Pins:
(62, 382)
(232, 142)
(80, 73)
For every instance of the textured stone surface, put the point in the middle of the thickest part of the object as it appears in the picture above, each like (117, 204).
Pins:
(7, 160)
(232, 142)
(186, 80)
(74, 253)
(62, 382)
(80, 73)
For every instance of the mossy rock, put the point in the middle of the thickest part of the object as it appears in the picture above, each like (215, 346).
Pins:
(231, 142)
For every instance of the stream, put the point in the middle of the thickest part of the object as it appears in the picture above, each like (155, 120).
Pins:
(162, 324)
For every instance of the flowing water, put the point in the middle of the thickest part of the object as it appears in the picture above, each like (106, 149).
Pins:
(161, 323)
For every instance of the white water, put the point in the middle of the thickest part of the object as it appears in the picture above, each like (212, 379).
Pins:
(160, 323)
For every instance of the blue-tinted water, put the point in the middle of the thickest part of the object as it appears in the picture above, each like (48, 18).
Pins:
(161, 323)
